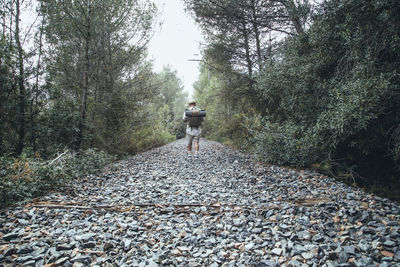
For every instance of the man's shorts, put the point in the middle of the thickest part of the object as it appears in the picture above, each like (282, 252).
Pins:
(191, 138)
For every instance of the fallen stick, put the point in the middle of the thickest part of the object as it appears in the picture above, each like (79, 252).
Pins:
(66, 206)
(58, 157)
(74, 205)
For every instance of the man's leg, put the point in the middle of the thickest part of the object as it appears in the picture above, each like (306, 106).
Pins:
(196, 140)
(189, 140)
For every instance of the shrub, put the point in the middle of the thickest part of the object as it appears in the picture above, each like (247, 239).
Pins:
(23, 177)
(287, 144)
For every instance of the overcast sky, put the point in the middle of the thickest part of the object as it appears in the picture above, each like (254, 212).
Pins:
(177, 41)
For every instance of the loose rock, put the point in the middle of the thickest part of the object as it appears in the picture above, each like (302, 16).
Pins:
(162, 208)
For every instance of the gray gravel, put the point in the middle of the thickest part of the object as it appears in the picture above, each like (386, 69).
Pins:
(223, 209)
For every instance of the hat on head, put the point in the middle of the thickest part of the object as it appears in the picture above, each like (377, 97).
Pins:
(192, 102)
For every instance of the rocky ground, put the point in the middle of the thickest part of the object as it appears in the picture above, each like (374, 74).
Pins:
(223, 209)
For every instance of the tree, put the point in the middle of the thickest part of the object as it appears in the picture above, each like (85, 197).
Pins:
(21, 78)
(7, 94)
(90, 86)
(16, 87)
(327, 90)
(172, 99)
(96, 46)
(245, 28)
(330, 93)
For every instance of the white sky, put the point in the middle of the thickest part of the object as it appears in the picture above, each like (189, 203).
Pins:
(176, 42)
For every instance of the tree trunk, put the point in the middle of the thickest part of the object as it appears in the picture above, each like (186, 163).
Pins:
(297, 25)
(11, 25)
(292, 12)
(34, 103)
(21, 82)
(256, 33)
(247, 49)
(85, 85)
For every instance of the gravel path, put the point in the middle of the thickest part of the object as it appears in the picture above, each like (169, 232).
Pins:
(223, 209)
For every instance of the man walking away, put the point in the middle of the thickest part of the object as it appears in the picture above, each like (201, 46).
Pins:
(193, 129)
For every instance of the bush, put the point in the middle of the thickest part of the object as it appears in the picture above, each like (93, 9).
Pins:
(149, 136)
(23, 177)
(287, 144)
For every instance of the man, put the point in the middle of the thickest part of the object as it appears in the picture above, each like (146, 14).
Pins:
(193, 130)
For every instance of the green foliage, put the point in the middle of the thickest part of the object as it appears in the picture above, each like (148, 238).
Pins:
(228, 114)
(333, 94)
(326, 97)
(90, 87)
(8, 96)
(171, 102)
(286, 144)
(96, 62)
(148, 137)
(56, 127)
(23, 177)
(307, 130)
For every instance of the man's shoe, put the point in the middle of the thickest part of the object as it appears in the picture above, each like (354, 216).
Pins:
(196, 156)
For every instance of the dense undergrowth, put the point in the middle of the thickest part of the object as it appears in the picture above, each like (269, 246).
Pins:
(326, 97)
(26, 177)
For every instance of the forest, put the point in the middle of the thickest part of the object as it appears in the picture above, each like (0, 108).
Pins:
(300, 83)
(306, 84)
(77, 90)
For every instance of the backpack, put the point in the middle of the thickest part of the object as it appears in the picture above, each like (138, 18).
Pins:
(195, 120)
